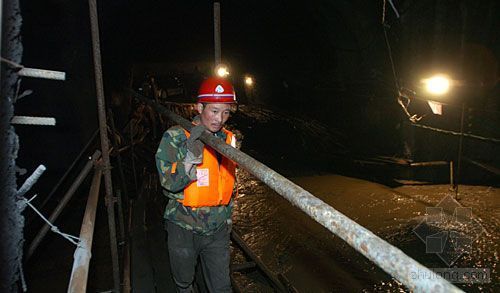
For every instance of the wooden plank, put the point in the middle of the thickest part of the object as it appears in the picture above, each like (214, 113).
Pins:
(141, 269)
(156, 239)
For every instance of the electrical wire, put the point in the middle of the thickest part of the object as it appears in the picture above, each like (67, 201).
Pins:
(487, 139)
(396, 83)
(415, 118)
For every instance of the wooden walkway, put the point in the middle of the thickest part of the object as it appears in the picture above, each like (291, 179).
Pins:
(150, 268)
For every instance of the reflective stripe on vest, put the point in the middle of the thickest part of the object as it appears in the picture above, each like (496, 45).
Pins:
(215, 182)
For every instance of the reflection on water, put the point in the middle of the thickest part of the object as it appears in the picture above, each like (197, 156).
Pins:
(315, 260)
(311, 257)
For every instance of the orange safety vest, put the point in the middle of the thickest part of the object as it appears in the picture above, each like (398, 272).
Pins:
(215, 182)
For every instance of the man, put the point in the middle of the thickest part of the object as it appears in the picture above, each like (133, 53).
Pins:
(199, 183)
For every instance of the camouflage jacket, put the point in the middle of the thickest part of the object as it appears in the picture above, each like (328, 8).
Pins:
(204, 220)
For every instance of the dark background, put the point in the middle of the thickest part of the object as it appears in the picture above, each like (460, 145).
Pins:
(327, 60)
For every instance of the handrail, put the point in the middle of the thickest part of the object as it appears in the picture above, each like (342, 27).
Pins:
(388, 257)
(69, 169)
(67, 196)
(80, 271)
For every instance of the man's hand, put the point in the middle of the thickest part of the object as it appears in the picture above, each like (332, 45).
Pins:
(195, 146)
(193, 143)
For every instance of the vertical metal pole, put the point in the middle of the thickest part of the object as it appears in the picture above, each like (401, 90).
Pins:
(132, 154)
(1, 26)
(463, 10)
(452, 184)
(126, 258)
(121, 223)
(122, 179)
(104, 142)
(460, 146)
(217, 33)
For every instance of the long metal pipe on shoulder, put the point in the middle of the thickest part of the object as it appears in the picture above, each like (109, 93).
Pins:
(388, 257)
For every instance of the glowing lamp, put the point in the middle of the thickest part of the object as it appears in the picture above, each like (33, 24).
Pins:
(437, 85)
(221, 71)
(248, 81)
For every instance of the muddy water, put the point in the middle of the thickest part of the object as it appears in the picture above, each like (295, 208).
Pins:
(314, 260)
(311, 257)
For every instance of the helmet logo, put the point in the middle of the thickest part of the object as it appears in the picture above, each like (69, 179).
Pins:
(219, 89)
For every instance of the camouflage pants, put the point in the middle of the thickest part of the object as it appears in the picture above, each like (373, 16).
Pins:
(185, 247)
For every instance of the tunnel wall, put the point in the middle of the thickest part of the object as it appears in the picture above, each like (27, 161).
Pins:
(11, 220)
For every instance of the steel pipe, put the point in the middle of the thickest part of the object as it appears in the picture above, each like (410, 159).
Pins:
(460, 152)
(217, 42)
(429, 164)
(484, 166)
(132, 156)
(42, 73)
(83, 253)
(126, 258)
(70, 168)
(62, 204)
(31, 180)
(388, 257)
(103, 130)
(452, 180)
(30, 120)
(121, 223)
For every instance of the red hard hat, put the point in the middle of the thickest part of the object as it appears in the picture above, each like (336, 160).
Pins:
(216, 90)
